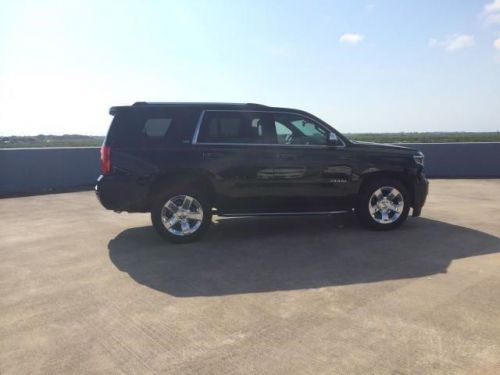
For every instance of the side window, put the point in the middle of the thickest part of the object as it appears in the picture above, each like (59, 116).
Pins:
(297, 130)
(226, 128)
(158, 132)
(282, 132)
(236, 127)
(156, 127)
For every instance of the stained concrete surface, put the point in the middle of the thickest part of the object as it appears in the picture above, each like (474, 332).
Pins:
(87, 291)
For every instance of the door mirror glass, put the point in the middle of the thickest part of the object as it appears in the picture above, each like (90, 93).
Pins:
(332, 138)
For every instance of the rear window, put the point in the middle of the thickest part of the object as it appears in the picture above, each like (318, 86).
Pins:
(151, 128)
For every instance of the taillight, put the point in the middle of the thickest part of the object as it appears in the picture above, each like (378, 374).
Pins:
(105, 159)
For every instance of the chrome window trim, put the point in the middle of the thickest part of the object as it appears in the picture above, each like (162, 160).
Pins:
(197, 129)
(261, 145)
(202, 115)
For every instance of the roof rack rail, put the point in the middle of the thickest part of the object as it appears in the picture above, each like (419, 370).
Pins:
(176, 103)
(256, 105)
(202, 103)
(153, 103)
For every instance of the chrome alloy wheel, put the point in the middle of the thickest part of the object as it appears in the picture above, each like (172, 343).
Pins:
(386, 205)
(182, 215)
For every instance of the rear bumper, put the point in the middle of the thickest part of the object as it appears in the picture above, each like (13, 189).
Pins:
(122, 193)
(421, 189)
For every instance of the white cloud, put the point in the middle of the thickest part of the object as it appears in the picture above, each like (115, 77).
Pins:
(459, 42)
(493, 18)
(492, 12)
(496, 44)
(351, 38)
(492, 7)
(453, 42)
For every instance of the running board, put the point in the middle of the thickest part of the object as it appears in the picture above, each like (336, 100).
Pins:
(287, 213)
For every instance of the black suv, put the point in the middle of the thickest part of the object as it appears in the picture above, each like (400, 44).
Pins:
(184, 162)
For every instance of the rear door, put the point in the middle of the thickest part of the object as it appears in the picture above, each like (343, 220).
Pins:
(234, 147)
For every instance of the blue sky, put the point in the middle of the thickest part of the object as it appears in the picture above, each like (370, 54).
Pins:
(362, 66)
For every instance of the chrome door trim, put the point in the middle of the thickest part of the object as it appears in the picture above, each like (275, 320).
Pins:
(197, 129)
(287, 213)
(200, 120)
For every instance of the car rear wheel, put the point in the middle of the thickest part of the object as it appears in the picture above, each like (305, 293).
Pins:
(383, 204)
(181, 215)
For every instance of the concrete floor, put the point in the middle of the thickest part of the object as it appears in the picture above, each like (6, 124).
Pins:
(87, 291)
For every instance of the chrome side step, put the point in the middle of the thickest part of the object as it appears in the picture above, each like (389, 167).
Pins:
(286, 213)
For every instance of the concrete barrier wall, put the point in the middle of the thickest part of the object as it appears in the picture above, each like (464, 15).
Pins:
(28, 171)
(460, 160)
(31, 171)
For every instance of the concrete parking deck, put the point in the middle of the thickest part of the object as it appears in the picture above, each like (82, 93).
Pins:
(87, 291)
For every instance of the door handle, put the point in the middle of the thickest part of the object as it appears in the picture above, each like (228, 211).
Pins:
(212, 155)
(286, 156)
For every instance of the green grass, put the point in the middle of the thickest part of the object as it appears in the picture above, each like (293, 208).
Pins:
(76, 140)
(434, 137)
(67, 140)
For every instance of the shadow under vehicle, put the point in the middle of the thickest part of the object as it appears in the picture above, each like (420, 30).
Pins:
(246, 255)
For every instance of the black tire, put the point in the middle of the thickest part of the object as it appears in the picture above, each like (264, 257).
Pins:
(169, 194)
(365, 195)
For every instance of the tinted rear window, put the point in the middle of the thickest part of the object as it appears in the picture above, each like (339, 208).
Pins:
(157, 127)
(236, 127)
(145, 128)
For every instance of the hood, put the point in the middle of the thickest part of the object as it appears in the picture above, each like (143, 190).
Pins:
(382, 147)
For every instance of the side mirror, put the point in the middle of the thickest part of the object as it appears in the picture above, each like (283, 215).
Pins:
(332, 138)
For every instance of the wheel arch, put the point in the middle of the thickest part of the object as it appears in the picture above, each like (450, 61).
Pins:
(406, 179)
(193, 178)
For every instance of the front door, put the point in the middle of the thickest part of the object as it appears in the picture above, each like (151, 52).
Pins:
(310, 173)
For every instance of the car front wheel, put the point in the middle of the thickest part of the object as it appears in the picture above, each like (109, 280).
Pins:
(383, 204)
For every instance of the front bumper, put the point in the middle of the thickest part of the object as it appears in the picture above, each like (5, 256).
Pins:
(122, 193)
(421, 189)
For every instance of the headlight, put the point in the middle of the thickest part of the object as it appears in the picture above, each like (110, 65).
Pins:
(419, 158)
